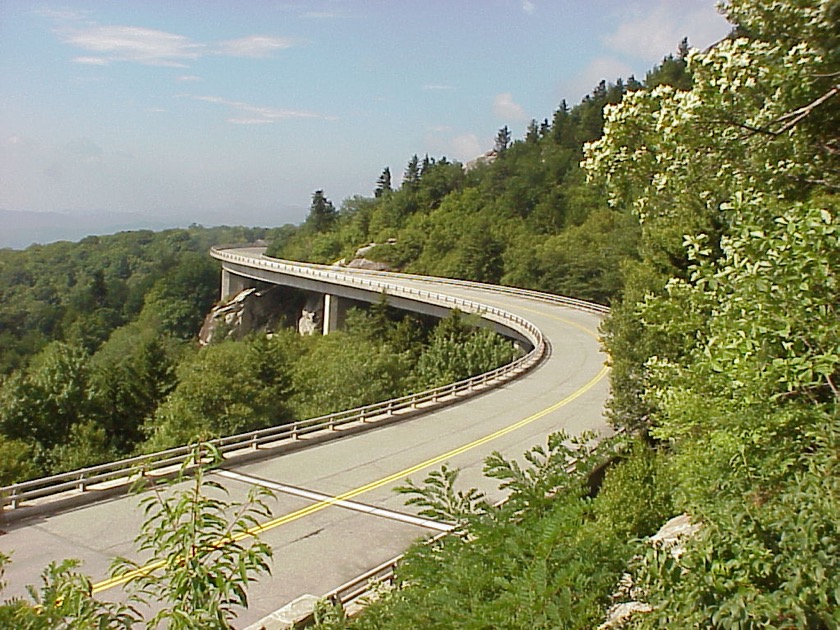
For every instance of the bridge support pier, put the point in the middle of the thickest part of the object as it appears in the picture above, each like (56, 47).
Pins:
(233, 284)
(335, 310)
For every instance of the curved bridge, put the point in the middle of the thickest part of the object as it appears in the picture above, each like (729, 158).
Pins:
(336, 514)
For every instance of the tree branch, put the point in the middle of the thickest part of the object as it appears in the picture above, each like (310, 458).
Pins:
(798, 115)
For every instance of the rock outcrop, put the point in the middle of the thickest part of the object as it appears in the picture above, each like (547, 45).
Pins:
(360, 260)
(247, 311)
(312, 316)
(371, 265)
(628, 598)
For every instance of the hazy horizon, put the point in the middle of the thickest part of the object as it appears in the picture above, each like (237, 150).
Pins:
(20, 229)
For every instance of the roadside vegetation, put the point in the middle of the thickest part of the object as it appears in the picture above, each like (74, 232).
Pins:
(200, 552)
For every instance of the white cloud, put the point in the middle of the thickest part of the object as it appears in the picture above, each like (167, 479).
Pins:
(91, 61)
(466, 147)
(436, 87)
(250, 121)
(528, 6)
(254, 46)
(107, 43)
(140, 45)
(505, 107)
(257, 114)
(189, 78)
(650, 33)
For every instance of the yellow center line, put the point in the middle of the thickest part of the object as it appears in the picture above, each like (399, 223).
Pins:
(317, 507)
(568, 322)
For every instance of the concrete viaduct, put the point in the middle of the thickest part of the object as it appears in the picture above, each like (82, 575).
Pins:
(337, 288)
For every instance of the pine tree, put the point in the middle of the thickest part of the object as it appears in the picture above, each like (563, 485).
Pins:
(322, 213)
(502, 140)
(383, 184)
(411, 179)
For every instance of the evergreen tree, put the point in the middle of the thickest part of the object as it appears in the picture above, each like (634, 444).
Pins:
(426, 165)
(383, 184)
(503, 139)
(532, 136)
(411, 179)
(322, 213)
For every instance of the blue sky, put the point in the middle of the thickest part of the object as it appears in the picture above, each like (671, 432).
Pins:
(208, 109)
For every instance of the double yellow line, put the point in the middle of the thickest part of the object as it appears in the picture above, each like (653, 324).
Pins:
(397, 476)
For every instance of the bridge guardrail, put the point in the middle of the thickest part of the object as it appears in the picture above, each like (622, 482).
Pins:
(123, 472)
(581, 305)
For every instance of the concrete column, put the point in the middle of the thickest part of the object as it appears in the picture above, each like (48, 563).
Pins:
(331, 313)
(231, 284)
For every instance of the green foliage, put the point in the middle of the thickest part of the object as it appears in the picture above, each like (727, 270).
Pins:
(458, 351)
(342, 371)
(16, 461)
(133, 372)
(80, 292)
(63, 602)
(69, 410)
(439, 499)
(178, 302)
(224, 389)
(727, 344)
(558, 468)
(87, 444)
(383, 354)
(200, 552)
(383, 184)
(768, 553)
(46, 404)
(95, 330)
(635, 498)
(322, 213)
(203, 547)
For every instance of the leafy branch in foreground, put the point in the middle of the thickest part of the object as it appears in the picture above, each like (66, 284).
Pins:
(439, 499)
(63, 602)
(203, 549)
(557, 467)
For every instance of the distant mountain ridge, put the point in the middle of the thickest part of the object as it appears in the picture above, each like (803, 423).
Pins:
(20, 229)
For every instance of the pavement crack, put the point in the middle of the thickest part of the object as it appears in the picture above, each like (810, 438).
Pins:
(309, 535)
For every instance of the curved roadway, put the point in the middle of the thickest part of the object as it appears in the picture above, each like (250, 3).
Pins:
(318, 544)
